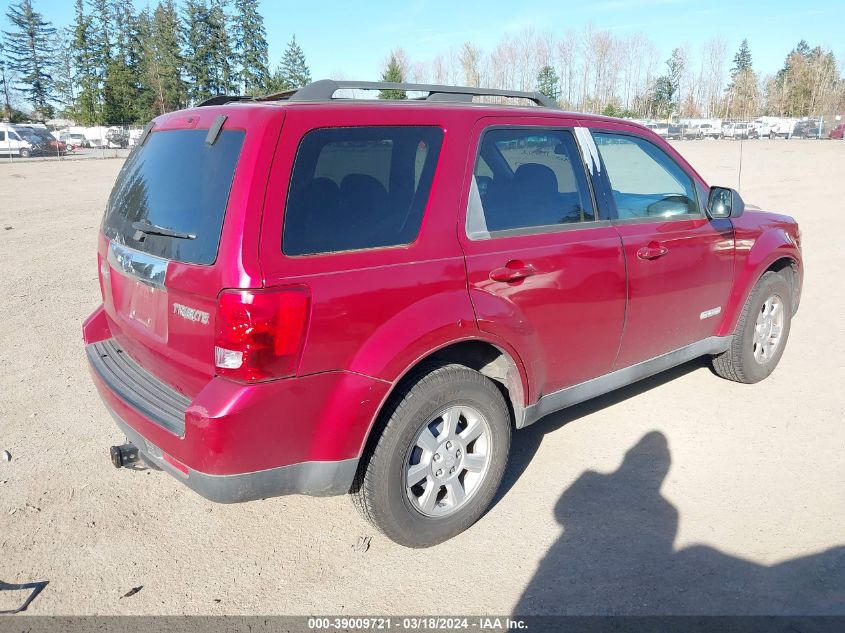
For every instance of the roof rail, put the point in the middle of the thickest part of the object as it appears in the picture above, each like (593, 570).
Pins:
(221, 99)
(324, 89)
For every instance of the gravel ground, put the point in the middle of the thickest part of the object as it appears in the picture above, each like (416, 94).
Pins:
(682, 494)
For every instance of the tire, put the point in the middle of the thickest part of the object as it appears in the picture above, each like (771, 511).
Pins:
(745, 361)
(412, 415)
(24, 153)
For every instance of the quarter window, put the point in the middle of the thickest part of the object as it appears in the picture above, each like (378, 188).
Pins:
(527, 178)
(646, 182)
(357, 188)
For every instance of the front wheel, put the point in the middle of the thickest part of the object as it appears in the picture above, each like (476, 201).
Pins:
(24, 153)
(437, 457)
(761, 332)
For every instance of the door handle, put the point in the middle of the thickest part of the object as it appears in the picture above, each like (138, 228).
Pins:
(513, 271)
(652, 251)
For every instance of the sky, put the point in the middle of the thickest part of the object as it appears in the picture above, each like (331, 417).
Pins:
(353, 39)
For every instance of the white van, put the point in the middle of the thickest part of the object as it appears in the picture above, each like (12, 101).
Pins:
(12, 143)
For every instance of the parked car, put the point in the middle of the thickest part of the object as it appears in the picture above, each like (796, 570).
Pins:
(661, 129)
(837, 132)
(13, 143)
(782, 128)
(738, 130)
(674, 132)
(290, 309)
(74, 140)
(806, 129)
(760, 129)
(710, 130)
(691, 131)
(44, 143)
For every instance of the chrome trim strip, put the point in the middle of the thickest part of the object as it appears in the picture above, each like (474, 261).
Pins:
(147, 269)
(620, 378)
(589, 150)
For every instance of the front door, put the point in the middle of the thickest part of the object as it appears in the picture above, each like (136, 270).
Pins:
(680, 263)
(546, 273)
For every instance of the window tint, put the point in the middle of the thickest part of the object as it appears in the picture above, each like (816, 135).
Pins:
(176, 181)
(363, 187)
(2, 136)
(527, 178)
(645, 181)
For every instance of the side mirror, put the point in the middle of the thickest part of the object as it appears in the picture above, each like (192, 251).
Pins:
(724, 203)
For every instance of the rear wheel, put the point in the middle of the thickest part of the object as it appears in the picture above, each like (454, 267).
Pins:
(761, 332)
(438, 457)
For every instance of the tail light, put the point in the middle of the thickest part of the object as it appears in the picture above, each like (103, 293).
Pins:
(259, 334)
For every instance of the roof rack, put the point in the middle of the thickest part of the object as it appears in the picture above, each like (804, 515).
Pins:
(324, 90)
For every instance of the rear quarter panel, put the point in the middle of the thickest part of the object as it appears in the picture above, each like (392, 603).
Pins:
(377, 311)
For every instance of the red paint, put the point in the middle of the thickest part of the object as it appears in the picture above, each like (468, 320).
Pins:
(565, 307)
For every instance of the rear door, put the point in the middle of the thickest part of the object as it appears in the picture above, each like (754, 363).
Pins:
(680, 263)
(164, 254)
(546, 273)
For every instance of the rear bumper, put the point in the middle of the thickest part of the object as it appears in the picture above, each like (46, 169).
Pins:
(306, 478)
(237, 442)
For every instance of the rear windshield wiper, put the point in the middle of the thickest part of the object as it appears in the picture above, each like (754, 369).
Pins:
(154, 229)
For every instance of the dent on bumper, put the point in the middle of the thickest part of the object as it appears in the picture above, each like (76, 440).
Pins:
(307, 478)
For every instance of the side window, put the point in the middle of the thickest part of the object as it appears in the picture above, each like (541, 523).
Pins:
(2, 136)
(646, 182)
(525, 179)
(357, 188)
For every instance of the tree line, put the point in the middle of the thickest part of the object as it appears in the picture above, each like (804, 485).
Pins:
(597, 71)
(116, 65)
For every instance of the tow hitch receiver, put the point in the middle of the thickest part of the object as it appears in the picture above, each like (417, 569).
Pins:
(124, 455)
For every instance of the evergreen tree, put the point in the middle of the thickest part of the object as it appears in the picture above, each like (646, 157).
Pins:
(223, 72)
(667, 88)
(120, 83)
(293, 72)
(664, 96)
(100, 47)
(5, 86)
(85, 76)
(64, 71)
(198, 52)
(393, 73)
(742, 59)
(807, 84)
(29, 51)
(742, 93)
(161, 65)
(548, 83)
(251, 47)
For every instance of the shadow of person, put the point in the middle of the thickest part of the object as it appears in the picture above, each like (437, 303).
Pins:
(616, 557)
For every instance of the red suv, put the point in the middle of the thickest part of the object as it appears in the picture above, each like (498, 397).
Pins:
(313, 295)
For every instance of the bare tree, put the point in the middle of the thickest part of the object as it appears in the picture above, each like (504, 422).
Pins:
(567, 59)
(471, 59)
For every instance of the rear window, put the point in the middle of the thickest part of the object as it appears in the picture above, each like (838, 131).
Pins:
(357, 188)
(178, 182)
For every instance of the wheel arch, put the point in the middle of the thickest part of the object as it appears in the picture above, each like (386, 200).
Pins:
(784, 260)
(492, 359)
